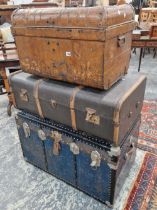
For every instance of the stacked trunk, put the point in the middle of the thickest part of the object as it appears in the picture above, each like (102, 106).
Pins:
(85, 136)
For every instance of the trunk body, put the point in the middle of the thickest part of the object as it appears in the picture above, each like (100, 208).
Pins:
(106, 114)
(86, 46)
(91, 165)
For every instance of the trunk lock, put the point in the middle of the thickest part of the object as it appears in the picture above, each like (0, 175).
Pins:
(57, 137)
(26, 130)
(92, 117)
(53, 104)
(96, 159)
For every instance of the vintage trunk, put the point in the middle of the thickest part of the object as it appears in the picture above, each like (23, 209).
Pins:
(94, 166)
(106, 114)
(86, 46)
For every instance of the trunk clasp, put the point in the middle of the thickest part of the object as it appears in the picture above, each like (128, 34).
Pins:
(24, 95)
(74, 148)
(92, 117)
(41, 135)
(96, 159)
(57, 137)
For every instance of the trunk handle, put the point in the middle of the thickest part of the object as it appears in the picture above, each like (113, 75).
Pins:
(121, 41)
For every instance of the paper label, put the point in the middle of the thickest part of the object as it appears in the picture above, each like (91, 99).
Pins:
(68, 54)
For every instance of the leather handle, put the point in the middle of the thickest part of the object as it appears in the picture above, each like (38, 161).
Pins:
(121, 41)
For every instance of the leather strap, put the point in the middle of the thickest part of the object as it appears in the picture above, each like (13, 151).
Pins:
(36, 96)
(72, 106)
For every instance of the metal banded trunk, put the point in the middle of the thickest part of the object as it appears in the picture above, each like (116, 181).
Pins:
(91, 165)
(86, 46)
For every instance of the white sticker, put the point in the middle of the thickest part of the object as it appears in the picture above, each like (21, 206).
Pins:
(119, 12)
(68, 54)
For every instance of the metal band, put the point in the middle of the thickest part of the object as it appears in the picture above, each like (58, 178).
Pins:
(36, 96)
(72, 106)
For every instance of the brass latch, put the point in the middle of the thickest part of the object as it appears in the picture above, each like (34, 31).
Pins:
(57, 137)
(92, 117)
(23, 95)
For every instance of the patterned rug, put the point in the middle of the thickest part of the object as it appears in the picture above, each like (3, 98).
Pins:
(143, 190)
(148, 130)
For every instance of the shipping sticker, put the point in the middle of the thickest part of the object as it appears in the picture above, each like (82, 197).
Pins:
(68, 54)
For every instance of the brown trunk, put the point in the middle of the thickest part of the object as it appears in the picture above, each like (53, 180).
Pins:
(87, 46)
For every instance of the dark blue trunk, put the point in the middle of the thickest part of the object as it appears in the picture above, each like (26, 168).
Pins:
(89, 164)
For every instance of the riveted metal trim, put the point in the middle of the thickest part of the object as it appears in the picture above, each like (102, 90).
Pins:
(114, 151)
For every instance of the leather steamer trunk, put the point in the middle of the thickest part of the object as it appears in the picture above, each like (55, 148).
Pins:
(106, 114)
(94, 166)
(86, 46)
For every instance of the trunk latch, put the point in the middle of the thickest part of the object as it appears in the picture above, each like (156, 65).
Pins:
(92, 117)
(57, 137)
(96, 159)
(74, 148)
(42, 135)
(24, 95)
